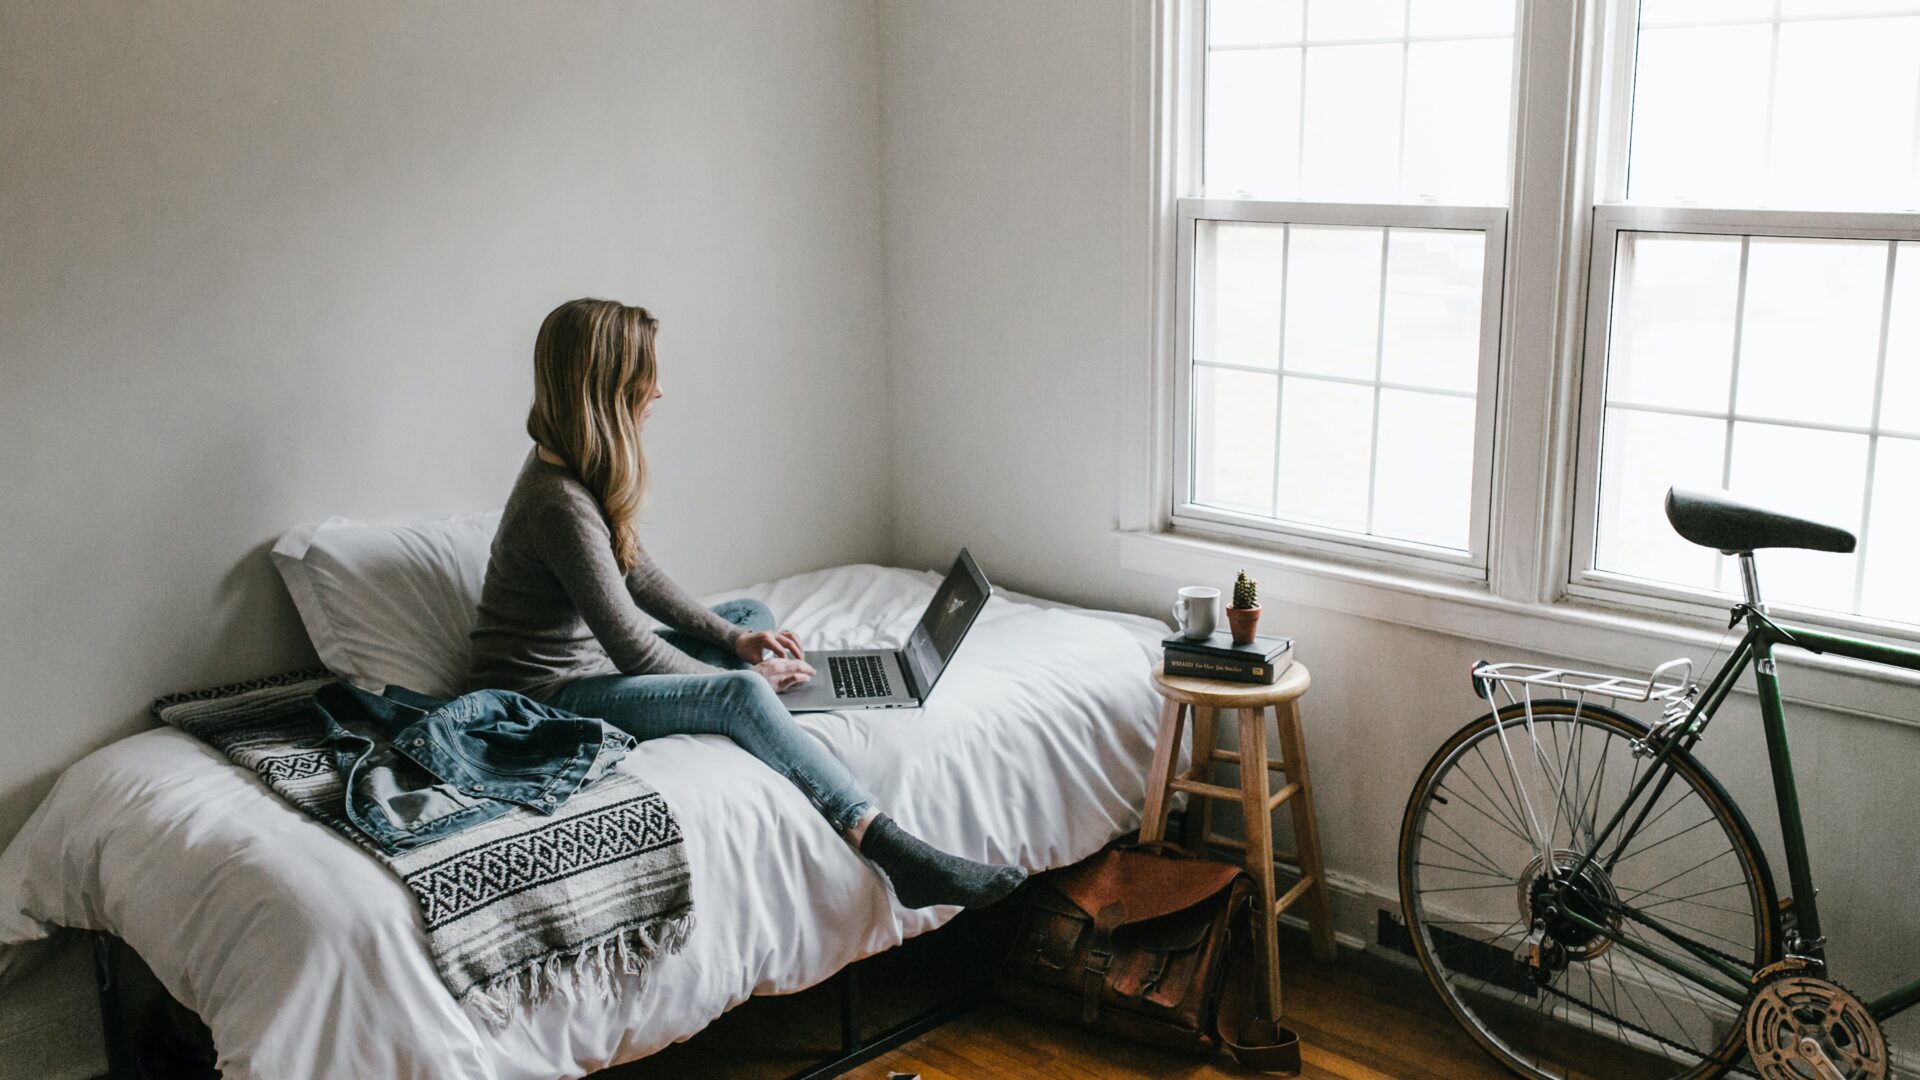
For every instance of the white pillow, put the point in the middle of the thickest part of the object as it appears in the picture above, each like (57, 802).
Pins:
(390, 604)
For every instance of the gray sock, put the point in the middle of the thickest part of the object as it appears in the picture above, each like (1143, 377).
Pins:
(924, 876)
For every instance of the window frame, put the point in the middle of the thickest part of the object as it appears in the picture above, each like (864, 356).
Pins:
(1565, 72)
(1181, 59)
(1573, 91)
(1584, 579)
(1490, 222)
(1608, 215)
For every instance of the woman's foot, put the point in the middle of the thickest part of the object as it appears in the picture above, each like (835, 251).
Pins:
(925, 876)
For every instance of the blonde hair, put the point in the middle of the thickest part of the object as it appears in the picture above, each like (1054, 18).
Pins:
(594, 370)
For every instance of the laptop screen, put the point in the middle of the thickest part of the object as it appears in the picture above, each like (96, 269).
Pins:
(955, 605)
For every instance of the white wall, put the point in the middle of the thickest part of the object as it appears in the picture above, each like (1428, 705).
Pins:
(265, 263)
(1005, 150)
(1007, 237)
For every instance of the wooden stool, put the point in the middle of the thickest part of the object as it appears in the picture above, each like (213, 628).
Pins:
(1204, 697)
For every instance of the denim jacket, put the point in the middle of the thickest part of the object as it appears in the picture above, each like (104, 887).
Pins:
(418, 768)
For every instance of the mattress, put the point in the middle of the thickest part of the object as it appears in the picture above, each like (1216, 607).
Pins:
(306, 958)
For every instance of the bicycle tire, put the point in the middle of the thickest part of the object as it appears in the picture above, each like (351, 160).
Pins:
(1470, 995)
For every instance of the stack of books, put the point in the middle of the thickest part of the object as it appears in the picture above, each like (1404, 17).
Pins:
(1217, 657)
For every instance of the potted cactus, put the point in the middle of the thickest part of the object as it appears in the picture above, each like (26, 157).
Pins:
(1243, 615)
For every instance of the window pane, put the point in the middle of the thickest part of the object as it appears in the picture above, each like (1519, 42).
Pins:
(1456, 126)
(1333, 311)
(1811, 337)
(1815, 8)
(1807, 358)
(1643, 454)
(1233, 414)
(1350, 149)
(1423, 485)
(1683, 11)
(1311, 295)
(1333, 20)
(1326, 436)
(1433, 308)
(1673, 316)
(1819, 475)
(1900, 393)
(1254, 22)
(1449, 17)
(1384, 102)
(1253, 121)
(1804, 111)
(1892, 584)
(1238, 279)
(1699, 115)
(1843, 131)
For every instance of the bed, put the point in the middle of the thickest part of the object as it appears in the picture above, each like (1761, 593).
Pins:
(305, 957)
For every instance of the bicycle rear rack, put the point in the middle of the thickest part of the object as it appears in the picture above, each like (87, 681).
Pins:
(1669, 682)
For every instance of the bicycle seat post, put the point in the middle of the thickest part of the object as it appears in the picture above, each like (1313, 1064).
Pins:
(1750, 581)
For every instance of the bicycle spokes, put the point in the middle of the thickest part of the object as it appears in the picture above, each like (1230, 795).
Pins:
(1553, 950)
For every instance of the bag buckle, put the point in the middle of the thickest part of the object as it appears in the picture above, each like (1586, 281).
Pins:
(1155, 974)
(1098, 961)
(1038, 945)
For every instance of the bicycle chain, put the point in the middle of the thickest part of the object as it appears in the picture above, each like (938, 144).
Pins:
(1629, 1025)
(1704, 947)
(1739, 1068)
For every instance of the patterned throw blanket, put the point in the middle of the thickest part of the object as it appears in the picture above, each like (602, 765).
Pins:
(516, 909)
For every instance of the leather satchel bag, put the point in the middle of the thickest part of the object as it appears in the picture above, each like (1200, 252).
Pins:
(1149, 945)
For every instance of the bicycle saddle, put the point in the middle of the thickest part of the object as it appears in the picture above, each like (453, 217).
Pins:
(1710, 519)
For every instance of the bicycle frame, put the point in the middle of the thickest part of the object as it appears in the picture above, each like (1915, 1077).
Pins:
(1756, 647)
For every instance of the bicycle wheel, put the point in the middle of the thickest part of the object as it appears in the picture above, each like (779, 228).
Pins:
(1501, 811)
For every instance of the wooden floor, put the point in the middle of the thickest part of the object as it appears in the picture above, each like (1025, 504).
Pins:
(1360, 1018)
(1357, 1020)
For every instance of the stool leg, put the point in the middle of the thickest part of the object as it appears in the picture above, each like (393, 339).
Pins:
(1306, 828)
(1199, 821)
(1166, 755)
(1259, 825)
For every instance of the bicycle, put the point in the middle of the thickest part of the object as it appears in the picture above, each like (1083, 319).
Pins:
(1586, 898)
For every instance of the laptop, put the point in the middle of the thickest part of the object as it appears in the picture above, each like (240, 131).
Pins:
(898, 678)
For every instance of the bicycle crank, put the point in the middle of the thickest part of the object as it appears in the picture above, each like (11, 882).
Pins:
(1800, 1027)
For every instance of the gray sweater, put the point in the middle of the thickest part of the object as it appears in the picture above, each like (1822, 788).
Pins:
(555, 605)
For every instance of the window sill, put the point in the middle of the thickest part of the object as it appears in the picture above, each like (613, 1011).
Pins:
(1579, 632)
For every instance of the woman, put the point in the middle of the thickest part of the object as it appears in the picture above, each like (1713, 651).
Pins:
(559, 616)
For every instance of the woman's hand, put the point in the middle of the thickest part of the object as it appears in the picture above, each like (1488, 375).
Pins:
(769, 644)
(784, 675)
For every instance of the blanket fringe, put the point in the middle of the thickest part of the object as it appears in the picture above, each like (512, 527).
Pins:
(590, 973)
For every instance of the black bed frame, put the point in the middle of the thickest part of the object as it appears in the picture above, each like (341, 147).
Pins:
(150, 1036)
(856, 1049)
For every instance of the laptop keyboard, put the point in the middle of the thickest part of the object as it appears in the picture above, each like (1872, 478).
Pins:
(858, 677)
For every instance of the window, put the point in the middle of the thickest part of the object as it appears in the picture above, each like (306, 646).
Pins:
(1710, 278)
(1754, 321)
(1341, 260)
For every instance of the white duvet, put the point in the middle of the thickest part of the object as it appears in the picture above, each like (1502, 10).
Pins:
(306, 957)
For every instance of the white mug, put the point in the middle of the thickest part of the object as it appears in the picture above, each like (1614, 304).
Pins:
(1196, 612)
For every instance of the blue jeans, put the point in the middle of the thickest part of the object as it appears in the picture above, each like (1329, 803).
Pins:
(738, 704)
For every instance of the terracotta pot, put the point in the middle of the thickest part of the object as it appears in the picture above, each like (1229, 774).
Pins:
(1244, 621)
